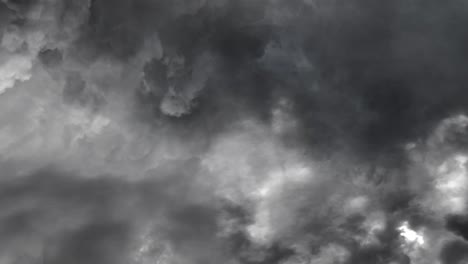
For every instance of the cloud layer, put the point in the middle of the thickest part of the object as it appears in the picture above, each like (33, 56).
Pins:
(240, 132)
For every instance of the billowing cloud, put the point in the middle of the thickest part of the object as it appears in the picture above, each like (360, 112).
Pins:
(240, 132)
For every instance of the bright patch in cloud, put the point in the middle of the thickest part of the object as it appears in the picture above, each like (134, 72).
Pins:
(410, 236)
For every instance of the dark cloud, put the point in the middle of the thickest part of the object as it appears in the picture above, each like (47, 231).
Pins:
(95, 243)
(51, 57)
(458, 224)
(95, 220)
(208, 114)
(454, 252)
(375, 92)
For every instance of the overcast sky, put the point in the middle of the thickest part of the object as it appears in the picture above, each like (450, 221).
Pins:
(233, 132)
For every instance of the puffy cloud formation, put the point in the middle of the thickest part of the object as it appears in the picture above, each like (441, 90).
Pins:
(239, 132)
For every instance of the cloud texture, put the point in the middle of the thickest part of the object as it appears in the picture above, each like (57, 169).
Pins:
(238, 132)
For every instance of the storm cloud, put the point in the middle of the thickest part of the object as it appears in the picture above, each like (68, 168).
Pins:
(240, 132)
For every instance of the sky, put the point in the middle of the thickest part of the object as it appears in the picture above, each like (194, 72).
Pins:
(233, 131)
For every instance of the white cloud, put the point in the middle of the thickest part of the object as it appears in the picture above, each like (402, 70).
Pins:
(13, 69)
(410, 236)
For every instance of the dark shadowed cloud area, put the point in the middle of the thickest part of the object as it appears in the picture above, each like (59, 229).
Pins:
(233, 131)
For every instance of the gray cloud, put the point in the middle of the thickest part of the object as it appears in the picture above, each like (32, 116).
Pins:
(306, 131)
